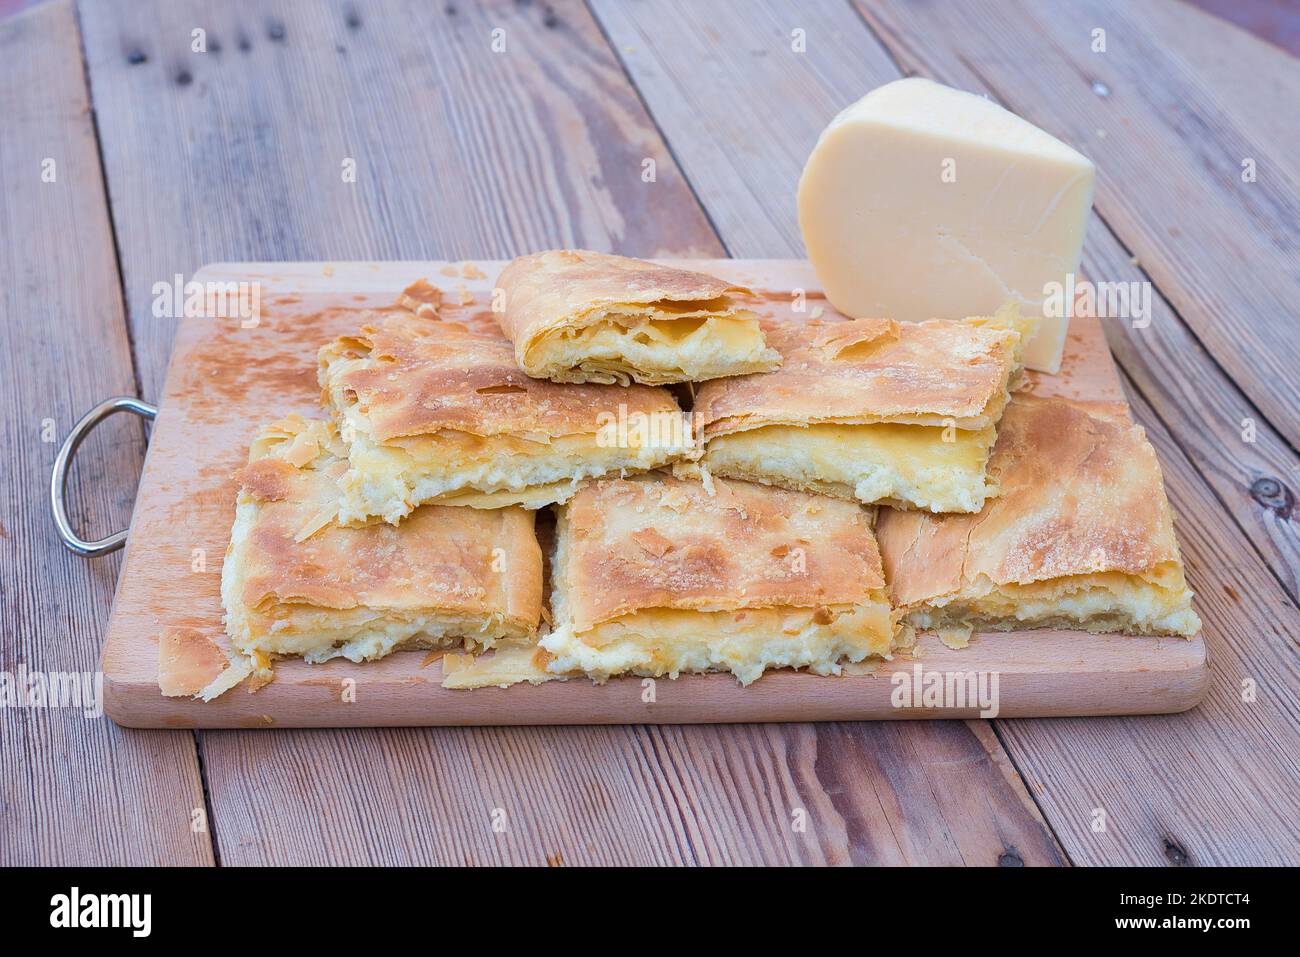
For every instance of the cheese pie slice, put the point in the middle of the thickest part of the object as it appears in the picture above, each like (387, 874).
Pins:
(436, 411)
(903, 414)
(294, 583)
(655, 576)
(1081, 535)
(577, 316)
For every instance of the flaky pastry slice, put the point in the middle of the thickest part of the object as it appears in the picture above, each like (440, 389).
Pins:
(578, 316)
(437, 412)
(1081, 535)
(656, 576)
(295, 583)
(902, 414)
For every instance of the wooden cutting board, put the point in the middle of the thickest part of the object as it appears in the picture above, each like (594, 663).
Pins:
(226, 379)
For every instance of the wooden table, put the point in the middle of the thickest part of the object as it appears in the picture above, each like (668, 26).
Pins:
(163, 159)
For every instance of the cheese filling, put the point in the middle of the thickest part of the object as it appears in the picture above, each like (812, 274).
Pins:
(451, 468)
(319, 634)
(927, 467)
(668, 641)
(688, 347)
(1158, 603)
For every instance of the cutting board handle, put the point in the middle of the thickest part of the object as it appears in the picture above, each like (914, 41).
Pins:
(59, 478)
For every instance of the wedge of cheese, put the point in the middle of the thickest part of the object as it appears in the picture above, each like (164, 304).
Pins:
(923, 202)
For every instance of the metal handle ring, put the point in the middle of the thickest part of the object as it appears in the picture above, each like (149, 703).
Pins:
(59, 479)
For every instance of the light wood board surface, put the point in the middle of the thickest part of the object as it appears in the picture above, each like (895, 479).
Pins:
(225, 380)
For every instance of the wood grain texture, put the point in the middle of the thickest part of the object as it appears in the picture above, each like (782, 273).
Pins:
(74, 789)
(1260, 94)
(741, 108)
(1271, 20)
(1162, 129)
(843, 793)
(461, 176)
(224, 379)
(1251, 622)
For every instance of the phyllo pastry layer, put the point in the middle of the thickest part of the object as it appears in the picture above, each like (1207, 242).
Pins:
(903, 414)
(577, 316)
(1081, 535)
(294, 583)
(437, 411)
(656, 576)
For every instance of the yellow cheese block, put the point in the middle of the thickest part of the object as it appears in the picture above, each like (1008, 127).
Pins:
(920, 202)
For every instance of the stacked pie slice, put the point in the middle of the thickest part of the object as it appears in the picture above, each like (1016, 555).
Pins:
(578, 316)
(438, 412)
(901, 414)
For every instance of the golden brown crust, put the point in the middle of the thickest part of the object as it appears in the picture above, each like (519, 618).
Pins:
(559, 287)
(1081, 492)
(413, 376)
(659, 542)
(270, 480)
(867, 370)
(459, 560)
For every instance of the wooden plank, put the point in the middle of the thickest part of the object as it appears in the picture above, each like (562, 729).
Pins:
(1250, 620)
(224, 378)
(1160, 131)
(1216, 51)
(474, 154)
(75, 789)
(742, 109)
(1273, 20)
(840, 793)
